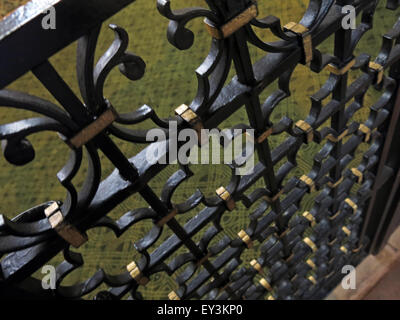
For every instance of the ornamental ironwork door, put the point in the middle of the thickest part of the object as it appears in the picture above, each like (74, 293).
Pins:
(297, 248)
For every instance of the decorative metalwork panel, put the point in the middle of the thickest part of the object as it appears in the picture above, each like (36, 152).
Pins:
(300, 253)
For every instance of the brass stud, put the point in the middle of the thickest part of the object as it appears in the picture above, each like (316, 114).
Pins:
(203, 260)
(311, 264)
(378, 68)
(346, 231)
(173, 296)
(351, 204)
(312, 279)
(137, 274)
(339, 72)
(310, 218)
(226, 196)
(189, 116)
(309, 182)
(367, 131)
(306, 128)
(64, 229)
(266, 284)
(343, 249)
(302, 31)
(358, 174)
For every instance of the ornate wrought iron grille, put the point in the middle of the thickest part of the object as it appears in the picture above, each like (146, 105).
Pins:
(300, 253)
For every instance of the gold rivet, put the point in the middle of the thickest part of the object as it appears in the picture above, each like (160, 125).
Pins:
(173, 296)
(226, 196)
(245, 238)
(346, 231)
(310, 218)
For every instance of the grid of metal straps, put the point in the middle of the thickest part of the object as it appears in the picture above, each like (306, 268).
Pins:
(301, 253)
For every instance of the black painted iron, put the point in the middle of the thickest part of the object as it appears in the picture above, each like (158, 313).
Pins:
(301, 253)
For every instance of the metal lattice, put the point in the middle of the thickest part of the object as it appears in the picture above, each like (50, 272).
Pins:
(300, 253)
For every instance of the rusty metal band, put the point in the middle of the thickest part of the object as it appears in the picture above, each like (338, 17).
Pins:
(312, 279)
(311, 264)
(284, 233)
(335, 215)
(190, 117)
(233, 25)
(256, 266)
(167, 218)
(332, 242)
(224, 195)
